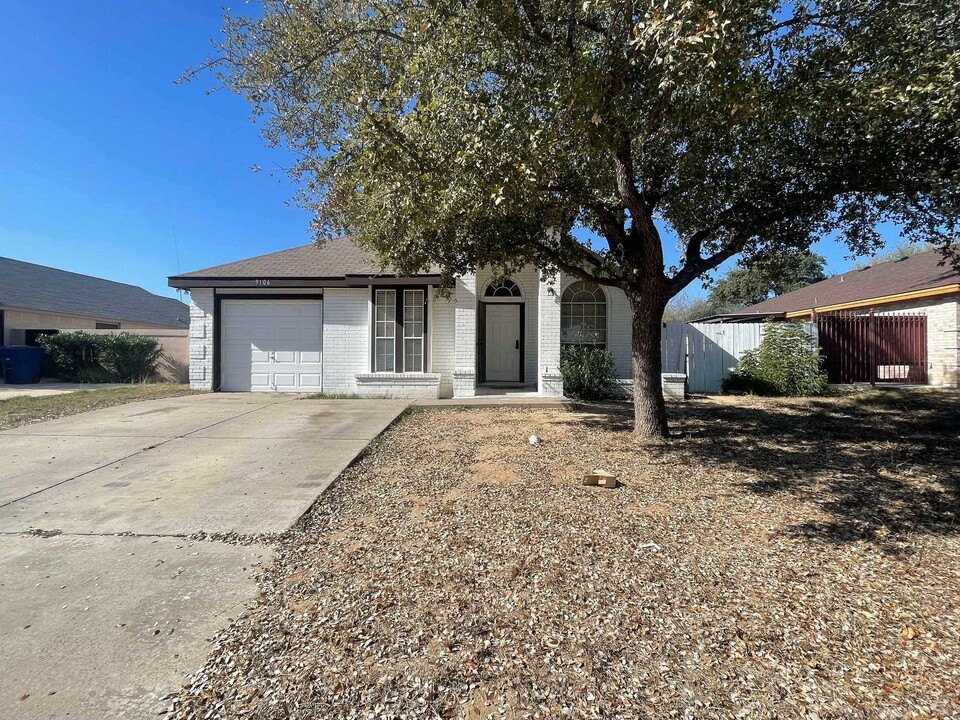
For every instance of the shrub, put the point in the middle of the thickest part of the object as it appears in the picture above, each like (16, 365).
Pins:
(72, 353)
(131, 358)
(588, 372)
(787, 363)
(82, 357)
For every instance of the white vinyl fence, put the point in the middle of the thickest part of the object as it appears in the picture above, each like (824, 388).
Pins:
(707, 352)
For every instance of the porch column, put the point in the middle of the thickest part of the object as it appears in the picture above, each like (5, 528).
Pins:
(549, 380)
(465, 337)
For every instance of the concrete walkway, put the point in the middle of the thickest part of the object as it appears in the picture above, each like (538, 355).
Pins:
(105, 603)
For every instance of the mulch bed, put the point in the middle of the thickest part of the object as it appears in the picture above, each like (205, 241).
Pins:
(777, 559)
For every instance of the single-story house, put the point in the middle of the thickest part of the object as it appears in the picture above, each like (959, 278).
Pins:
(330, 319)
(35, 299)
(920, 285)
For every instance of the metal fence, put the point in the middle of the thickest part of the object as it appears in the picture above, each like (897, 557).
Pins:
(868, 347)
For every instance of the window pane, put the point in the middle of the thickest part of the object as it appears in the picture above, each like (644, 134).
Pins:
(583, 314)
(385, 331)
(413, 355)
(413, 331)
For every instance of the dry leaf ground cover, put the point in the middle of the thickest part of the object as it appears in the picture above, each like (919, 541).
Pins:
(806, 564)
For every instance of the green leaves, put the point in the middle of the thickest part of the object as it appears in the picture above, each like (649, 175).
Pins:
(462, 134)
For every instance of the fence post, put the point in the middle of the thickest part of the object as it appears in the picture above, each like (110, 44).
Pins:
(872, 339)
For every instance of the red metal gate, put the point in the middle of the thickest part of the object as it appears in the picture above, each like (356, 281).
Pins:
(871, 348)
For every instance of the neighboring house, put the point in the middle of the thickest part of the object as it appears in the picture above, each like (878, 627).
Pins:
(35, 299)
(916, 285)
(331, 319)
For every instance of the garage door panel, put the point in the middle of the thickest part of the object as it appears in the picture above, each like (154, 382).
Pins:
(271, 345)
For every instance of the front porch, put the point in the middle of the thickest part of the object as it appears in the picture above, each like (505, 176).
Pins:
(507, 335)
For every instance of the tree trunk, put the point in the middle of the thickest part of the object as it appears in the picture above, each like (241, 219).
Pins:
(650, 413)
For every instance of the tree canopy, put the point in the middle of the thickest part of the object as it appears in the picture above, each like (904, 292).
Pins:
(751, 283)
(482, 133)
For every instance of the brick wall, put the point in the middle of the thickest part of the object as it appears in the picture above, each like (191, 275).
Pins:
(201, 339)
(346, 337)
(442, 341)
(398, 385)
(465, 328)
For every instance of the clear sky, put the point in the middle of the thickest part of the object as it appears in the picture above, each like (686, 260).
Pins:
(107, 167)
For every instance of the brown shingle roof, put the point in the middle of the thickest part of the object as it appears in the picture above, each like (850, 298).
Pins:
(912, 274)
(336, 258)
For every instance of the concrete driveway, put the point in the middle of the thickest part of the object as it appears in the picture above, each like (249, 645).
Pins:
(105, 602)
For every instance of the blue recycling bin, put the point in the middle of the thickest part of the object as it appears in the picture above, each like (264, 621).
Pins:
(21, 364)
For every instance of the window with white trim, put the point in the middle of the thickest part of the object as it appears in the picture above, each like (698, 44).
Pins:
(385, 334)
(399, 336)
(413, 330)
(583, 315)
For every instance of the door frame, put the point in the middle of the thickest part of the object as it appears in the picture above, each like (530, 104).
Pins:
(482, 338)
(218, 325)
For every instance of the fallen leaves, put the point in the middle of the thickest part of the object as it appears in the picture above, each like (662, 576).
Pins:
(750, 568)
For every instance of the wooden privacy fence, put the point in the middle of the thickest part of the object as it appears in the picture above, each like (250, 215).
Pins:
(707, 352)
(869, 348)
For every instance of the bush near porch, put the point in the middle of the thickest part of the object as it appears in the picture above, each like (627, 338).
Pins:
(82, 357)
(779, 558)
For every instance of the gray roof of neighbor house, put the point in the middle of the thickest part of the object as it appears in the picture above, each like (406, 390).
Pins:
(335, 259)
(27, 286)
(912, 276)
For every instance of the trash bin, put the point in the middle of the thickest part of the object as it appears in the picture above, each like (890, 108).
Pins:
(21, 364)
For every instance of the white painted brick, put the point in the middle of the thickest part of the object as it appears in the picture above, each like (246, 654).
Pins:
(443, 342)
(465, 341)
(398, 385)
(201, 339)
(346, 336)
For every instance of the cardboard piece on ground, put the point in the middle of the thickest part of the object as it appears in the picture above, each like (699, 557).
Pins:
(601, 478)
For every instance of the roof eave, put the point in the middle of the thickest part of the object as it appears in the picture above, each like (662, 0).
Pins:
(272, 282)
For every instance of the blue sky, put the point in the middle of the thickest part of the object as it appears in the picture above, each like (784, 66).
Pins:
(105, 162)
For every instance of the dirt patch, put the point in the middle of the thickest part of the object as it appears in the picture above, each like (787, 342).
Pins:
(776, 559)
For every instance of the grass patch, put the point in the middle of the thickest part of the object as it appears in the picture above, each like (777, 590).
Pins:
(24, 410)
(336, 396)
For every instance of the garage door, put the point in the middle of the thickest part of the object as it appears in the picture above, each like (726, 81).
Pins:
(271, 345)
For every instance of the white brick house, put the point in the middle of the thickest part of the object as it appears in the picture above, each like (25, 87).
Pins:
(329, 319)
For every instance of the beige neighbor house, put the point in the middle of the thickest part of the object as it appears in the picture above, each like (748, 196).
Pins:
(920, 287)
(331, 319)
(37, 300)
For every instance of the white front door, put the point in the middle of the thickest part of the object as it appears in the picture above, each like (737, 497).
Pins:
(503, 343)
(271, 345)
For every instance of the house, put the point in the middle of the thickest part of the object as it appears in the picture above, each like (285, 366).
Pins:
(36, 299)
(920, 286)
(330, 319)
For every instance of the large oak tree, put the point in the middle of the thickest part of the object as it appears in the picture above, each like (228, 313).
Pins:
(468, 133)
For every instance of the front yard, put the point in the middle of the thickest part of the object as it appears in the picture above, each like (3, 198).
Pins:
(24, 410)
(779, 559)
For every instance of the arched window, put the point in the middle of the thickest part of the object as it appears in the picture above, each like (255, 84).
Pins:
(583, 315)
(503, 289)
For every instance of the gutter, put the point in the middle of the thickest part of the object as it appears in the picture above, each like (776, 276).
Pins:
(881, 300)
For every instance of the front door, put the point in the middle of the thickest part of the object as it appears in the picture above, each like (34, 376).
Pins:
(503, 343)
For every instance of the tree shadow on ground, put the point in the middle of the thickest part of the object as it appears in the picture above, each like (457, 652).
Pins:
(881, 465)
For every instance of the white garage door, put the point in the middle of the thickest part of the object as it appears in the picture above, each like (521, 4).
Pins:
(271, 345)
